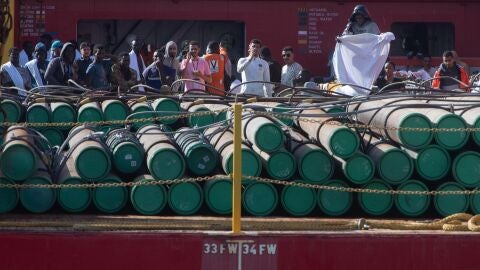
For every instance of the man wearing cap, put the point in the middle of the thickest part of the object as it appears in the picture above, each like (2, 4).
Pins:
(60, 69)
(38, 66)
(12, 74)
(56, 49)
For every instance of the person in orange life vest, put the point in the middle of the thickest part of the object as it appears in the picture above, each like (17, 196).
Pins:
(216, 62)
(195, 68)
(451, 69)
(228, 78)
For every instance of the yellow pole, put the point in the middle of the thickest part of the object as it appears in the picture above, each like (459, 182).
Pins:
(237, 169)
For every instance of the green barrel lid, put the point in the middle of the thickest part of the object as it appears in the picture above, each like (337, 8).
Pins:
(269, 137)
(141, 107)
(53, 135)
(148, 199)
(412, 205)
(298, 201)
(283, 108)
(260, 199)
(114, 110)
(93, 163)
(110, 199)
(221, 116)
(12, 109)
(37, 200)
(466, 169)
(74, 200)
(316, 166)
(475, 203)
(476, 134)
(128, 157)
(251, 164)
(376, 203)
(218, 196)
(18, 161)
(63, 113)
(201, 158)
(90, 112)
(165, 163)
(185, 198)
(359, 169)
(281, 165)
(166, 105)
(8, 197)
(451, 204)
(451, 140)
(201, 120)
(415, 139)
(395, 166)
(433, 163)
(39, 113)
(332, 202)
(344, 142)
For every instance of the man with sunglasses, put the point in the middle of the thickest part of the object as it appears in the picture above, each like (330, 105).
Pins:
(254, 68)
(291, 68)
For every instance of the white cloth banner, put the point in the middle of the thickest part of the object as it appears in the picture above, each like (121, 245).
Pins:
(33, 68)
(14, 75)
(359, 59)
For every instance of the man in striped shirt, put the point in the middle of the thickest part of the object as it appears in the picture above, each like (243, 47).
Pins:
(291, 68)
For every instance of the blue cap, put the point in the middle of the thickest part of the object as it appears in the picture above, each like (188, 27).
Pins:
(39, 46)
(57, 44)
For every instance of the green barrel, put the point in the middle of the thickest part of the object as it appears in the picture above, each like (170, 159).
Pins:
(475, 203)
(218, 196)
(38, 200)
(314, 164)
(90, 112)
(393, 164)
(12, 110)
(72, 200)
(448, 139)
(198, 120)
(114, 110)
(332, 134)
(221, 111)
(222, 140)
(471, 116)
(279, 165)
(376, 203)
(63, 113)
(298, 201)
(168, 107)
(148, 199)
(451, 204)
(263, 133)
(466, 169)
(18, 160)
(333, 202)
(110, 199)
(260, 199)
(282, 108)
(144, 108)
(8, 196)
(201, 157)
(185, 198)
(54, 136)
(38, 113)
(412, 205)
(358, 169)
(163, 159)
(127, 151)
(432, 162)
(91, 158)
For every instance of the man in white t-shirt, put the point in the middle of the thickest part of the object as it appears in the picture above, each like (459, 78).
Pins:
(254, 68)
(291, 69)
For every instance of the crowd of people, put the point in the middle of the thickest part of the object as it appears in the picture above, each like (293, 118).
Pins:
(51, 62)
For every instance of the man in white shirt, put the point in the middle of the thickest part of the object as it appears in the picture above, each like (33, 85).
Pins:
(291, 69)
(253, 68)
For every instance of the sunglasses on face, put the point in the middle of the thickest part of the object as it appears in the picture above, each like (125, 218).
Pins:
(286, 55)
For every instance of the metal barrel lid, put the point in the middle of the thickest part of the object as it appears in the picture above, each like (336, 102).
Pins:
(12, 109)
(38, 200)
(218, 196)
(8, 196)
(113, 109)
(376, 203)
(450, 204)
(359, 169)
(466, 169)
(63, 112)
(451, 140)
(298, 201)
(415, 139)
(343, 142)
(141, 107)
(260, 199)
(54, 136)
(332, 202)
(264, 133)
(201, 158)
(74, 200)
(110, 199)
(314, 164)
(433, 162)
(412, 205)
(164, 162)
(251, 164)
(128, 157)
(283, 108)
(395, 166)
(90, 112)
(185, 198)
(148, 199)
(200, 120)
(39, 113)
(166, 105)
(18, 161)
(280, 165)
(92, 162)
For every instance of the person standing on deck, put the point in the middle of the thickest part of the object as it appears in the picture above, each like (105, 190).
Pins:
(136, 59)
(60, 69)
(38, 66)
(273, 66)
(170, 62)
(13, 75)
(122, 75)
(154, 74)
(27, 53)
(254, 68)
(216, 62)
(195, 68)
(98, 72)
(80, 65)
(291, 69)
(449, 68)
(360, 22)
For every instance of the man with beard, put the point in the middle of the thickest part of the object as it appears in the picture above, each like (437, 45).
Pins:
(12, 74)
(170, 62)
(195, 68)
(38, 66)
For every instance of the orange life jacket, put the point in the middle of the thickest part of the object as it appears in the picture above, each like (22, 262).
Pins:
(216, 62)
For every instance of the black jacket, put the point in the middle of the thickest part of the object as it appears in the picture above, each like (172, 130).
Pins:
(58, 71)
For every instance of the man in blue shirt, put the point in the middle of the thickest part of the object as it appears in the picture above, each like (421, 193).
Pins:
(154, 74)
(98, 71)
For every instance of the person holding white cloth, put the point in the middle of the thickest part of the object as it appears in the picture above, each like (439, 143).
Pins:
(13, 75)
